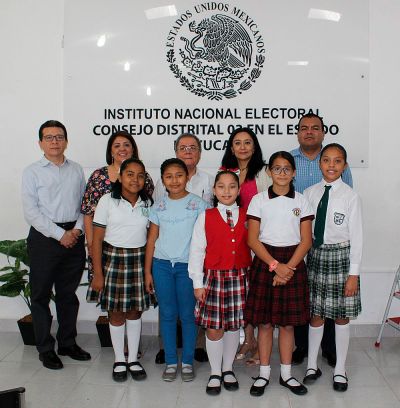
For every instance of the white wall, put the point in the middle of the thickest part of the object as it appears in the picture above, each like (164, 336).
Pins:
(31, 91)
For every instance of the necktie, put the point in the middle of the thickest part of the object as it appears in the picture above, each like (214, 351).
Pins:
(320, 219)
(229, 218)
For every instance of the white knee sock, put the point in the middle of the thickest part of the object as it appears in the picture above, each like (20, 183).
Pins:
(133, 330)
(118, 340)
(231, 343)
(286, 373)
(265, 372)
(215, 349)
(314, 343)
(342, 332)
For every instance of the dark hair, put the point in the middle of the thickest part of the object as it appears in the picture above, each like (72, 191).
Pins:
(126, 135)
(311, 115)
(52, 123)
(336, 146)
(284, 155)
(116, 190)
(256, 163)
(218, 176)
(173, 162)
(187, 135)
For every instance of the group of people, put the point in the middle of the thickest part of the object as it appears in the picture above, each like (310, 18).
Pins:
(262, 245)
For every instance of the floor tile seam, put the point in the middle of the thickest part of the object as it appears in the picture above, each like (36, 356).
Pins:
(386, 382)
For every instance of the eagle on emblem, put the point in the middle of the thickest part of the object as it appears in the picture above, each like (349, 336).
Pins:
(225, 41)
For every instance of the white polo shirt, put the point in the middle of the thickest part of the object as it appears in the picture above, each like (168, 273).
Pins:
(343, 217)
(126, 226)
(279, 216)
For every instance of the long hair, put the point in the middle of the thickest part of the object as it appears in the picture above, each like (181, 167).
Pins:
(116, 190)
(256, 163)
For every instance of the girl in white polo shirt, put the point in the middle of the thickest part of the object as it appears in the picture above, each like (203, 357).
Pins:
(280, 236)
(334, 261)
(119, 238)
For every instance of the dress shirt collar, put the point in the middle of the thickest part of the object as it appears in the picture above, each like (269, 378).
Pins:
(299, 152)
(335, 184)
(44, 161)
(223, 207)
(272, 194)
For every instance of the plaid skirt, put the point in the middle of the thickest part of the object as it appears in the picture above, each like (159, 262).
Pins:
(124, 288)
(278, 305)
(225, 299)
(328, 268)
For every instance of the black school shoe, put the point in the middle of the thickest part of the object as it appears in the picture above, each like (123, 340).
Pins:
(75, 352)
(120, 376)
(137, 375)
(200, 355)
(340, 386)
(330, 358)
(312, 375)
(258, 390)
(296, 389)
(299, 355)
(230, 386)
(51, 360)
(160, 357)
(214, 390)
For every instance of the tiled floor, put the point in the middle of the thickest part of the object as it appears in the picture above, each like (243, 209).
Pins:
(374, 380)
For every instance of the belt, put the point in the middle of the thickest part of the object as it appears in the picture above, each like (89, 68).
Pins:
(66, 225)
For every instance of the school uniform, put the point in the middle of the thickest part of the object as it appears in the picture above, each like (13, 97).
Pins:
(219, 260)
(123, 253)
(280, 218)
(330, 264)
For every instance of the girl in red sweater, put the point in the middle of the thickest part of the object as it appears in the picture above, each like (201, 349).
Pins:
(218, 263)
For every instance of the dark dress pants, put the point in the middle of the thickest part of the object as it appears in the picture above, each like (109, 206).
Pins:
(52, 264)
(328, 343)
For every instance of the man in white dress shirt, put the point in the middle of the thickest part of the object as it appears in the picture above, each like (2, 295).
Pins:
(52, 190)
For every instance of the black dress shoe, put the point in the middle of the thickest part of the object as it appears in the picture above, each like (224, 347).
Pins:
(200, 355)
(330, 357)
(296, 389)
(340, 386)
(51, 360)
(298, 356)
(214, 390)
(75, 352)
(160, 357)
(120, 376)
(258, 390)
(312, 376)
(137, 375)
(230, 386)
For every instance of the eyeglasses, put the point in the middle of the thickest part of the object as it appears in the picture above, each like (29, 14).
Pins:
(50, 138)
(278, 170)
(188, 148)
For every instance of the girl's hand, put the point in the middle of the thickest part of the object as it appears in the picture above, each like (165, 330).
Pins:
(351, 287)
(148, 282)
(200, 294)
(97, 283)
(278, 281)
(284, 271)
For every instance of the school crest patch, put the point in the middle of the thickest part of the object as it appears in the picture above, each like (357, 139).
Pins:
(296, 212)
(338, 218)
